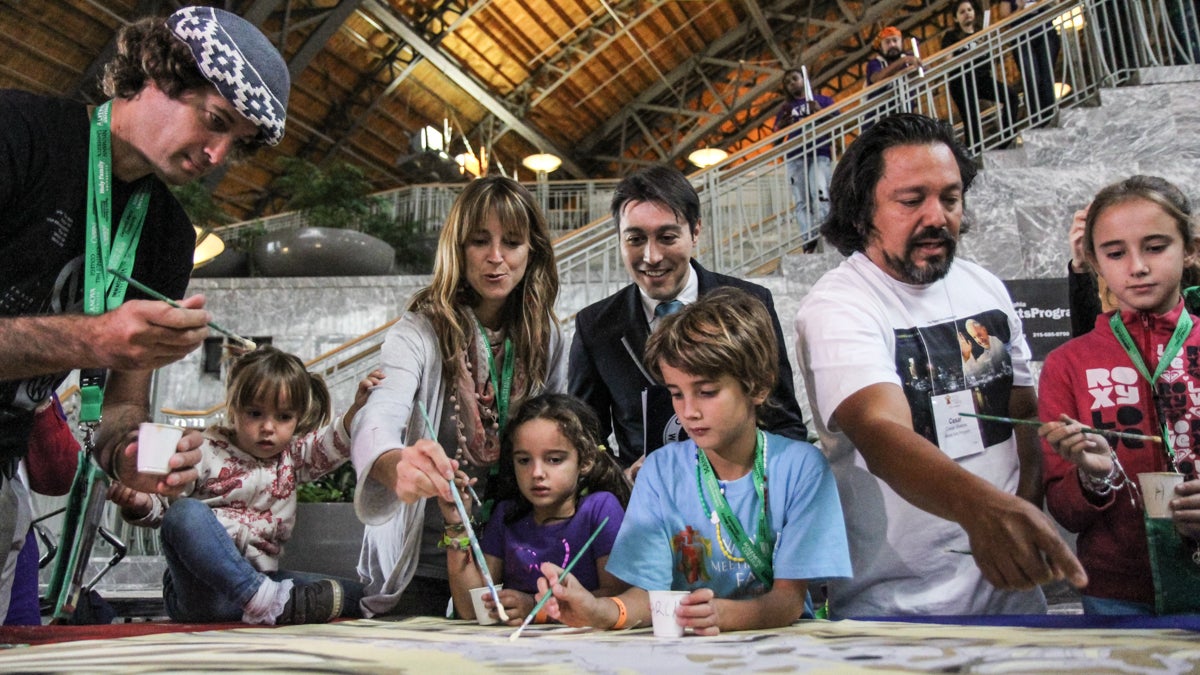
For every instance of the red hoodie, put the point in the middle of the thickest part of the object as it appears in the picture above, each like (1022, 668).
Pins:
(1093, 380)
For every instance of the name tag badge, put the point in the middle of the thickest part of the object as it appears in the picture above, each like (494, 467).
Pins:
(958, 436)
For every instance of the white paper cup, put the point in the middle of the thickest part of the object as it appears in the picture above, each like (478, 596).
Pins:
(1158, 489)
(481, 612)
(156, 444)
(662, 612)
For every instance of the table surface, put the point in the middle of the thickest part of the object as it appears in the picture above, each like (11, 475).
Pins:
(443, 646)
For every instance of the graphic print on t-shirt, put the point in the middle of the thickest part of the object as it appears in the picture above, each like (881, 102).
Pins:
(967, 354)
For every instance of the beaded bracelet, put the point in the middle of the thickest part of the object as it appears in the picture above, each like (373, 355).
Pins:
(1101, 487)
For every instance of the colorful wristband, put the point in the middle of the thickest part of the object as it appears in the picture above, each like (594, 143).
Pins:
(455, 543)
(622, 615)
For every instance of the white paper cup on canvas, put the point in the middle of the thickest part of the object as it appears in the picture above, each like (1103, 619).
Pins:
(662, 612)
(156, 443)
(1158, 489)
(481, 612)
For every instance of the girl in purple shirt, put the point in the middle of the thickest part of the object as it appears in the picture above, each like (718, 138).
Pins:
(554, 487)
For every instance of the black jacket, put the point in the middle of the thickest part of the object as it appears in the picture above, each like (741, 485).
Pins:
(606, 369)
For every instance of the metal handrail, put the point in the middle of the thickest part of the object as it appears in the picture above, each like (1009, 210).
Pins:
(746, 206)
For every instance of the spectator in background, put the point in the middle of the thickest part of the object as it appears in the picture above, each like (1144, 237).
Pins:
(977, 81)
(1037, 56)
(808, 172)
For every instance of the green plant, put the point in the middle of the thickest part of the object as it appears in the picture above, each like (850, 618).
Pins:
(198, 203)
(335, 486)
(334, 196)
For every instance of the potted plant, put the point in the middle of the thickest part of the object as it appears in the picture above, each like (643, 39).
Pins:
(335, 202)
(327, 536)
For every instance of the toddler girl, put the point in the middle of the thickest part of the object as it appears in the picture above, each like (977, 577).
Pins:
(222, 539)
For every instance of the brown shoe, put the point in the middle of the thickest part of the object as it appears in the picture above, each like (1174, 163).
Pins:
(316, 602)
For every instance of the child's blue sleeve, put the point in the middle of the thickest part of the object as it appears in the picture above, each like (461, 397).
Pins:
(812, 543)
(641, 555)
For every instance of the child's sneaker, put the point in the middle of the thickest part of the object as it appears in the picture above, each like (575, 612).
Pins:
(317, 602)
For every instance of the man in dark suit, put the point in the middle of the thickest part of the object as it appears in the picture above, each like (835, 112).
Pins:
(657, 212)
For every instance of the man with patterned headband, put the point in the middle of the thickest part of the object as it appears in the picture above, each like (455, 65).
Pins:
(84, 190)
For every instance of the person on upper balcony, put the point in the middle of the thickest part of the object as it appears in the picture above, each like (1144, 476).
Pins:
(976, 82)
(657, 212)
(890, 58)
(808, 170)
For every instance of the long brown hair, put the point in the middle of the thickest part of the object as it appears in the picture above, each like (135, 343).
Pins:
(528, 312)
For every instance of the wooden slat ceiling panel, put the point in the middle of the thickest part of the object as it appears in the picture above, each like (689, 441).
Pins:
(565, 69)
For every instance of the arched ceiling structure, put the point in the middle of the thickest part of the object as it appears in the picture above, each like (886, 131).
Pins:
(608, 85)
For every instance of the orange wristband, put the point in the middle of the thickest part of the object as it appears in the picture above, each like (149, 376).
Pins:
(622, 615)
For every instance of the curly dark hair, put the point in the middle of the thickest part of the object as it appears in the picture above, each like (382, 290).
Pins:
(147, 51)
(852, 189)
(598, 471)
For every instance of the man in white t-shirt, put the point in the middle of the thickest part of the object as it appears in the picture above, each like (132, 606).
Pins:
(942, 510)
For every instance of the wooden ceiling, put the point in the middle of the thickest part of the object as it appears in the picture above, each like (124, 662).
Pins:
(608, 85)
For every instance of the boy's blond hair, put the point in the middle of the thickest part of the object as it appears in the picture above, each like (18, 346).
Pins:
(725, 332)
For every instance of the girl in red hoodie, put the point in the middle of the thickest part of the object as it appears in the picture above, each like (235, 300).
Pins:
(1137, 371)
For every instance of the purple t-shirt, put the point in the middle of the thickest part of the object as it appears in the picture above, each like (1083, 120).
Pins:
(524, 545)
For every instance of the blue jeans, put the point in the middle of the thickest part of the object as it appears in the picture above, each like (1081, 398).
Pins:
(1111, 607)
(207, 579)
(808, 176)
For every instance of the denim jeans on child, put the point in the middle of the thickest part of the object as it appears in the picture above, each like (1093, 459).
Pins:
(207, 579)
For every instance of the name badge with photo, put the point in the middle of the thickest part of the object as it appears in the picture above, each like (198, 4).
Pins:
(958, 436)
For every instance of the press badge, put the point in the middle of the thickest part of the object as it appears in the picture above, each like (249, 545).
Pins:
(958, 436)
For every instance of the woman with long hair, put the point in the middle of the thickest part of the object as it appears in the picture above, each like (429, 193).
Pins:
(471, 346)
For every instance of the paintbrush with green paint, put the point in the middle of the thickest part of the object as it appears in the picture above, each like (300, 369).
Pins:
(245, 342)
(1090, 430)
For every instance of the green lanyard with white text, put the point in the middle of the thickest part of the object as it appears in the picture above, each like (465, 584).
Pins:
(758, 555)
(102, 292)
(1182, 329)
(501, 382)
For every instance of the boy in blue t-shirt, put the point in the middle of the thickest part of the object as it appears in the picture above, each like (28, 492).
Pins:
(741, 518)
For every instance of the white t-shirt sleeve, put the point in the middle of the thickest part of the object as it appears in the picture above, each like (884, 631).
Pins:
(845, 347)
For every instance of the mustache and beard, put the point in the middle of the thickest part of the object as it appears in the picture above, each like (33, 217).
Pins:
(934, 268)
(892, 54)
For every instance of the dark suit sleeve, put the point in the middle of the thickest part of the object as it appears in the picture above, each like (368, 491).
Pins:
(1084, 298)
(781, 414)
(584, 382)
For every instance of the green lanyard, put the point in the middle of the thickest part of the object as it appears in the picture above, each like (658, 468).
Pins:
(1183, 328)
(102, 250)
(501, 383)
(758, 555)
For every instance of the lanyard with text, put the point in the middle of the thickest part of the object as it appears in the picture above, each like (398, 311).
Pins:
(1182, 329)
(501, 383)
(758, 555)
(104, 250)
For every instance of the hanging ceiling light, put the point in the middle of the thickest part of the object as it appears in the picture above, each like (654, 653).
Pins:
(542, 162)
(208, 246)
(706, 157)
